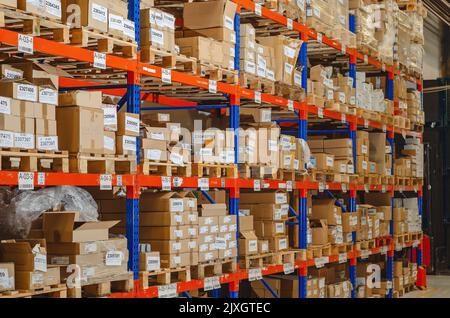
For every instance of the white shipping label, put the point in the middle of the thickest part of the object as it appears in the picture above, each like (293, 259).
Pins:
(343, 118)
(108, 143)
(211, 283)
(129, 143)
(221, 243)
(316, 12)
(10, 74)
(153, 154)
(6, 139)
(41, 178)
(100, 60)
(257, 185)
(203, 184)
(212, 86)
(167, 291)
(109, 116)
(321, 261)
(5, 105)
(60, 260)
(176, 246)
(282, 244)
(298, 79)
(128, 29)
(288, 268)
(132, 124)
(254, 274)
(228, 23)
(270, 75)
(250, 67)
(290, 107)
(365, 254)
(342, 97)
(105, 182)
(25, 44)
(27, 92)
(279, 228)
(99, 12)
(289, 52)
(48, 143)
(280, 198)
(159, 135)
(176, 205)
(252, 245)
(37, 279)
(192, 231)
(258, 9)
(168, 21)
(330, 94)
(330, 161)
(26, 180)
(115, 22)
(166, 76)
(153, 263)
(363, 149)
(90, 247)
(319, 37)
(5, 281)
(257, 97)
(166, 185)
(157, 36)
(342, 258)
(178, 233)
(40, 262)
(288, 68)
(192, 244)
(290, 24)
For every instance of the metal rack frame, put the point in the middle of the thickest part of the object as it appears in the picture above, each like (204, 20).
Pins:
(131, 93)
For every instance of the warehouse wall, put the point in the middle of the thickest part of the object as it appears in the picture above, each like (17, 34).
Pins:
(433, 31)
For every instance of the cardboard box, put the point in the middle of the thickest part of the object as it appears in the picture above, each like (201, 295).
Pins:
(162, 219)
(163, 232)
(128, 124)
(109, 142)
(208, 256)
(319, 232)
(170, 246)
(64, 227)
(126, 145)
(27, 280)
(161, 202)
(245, 223)
(82, 248)
(19, 89)
(198, 47)
(91, 99)
(211, 14)
(92, 13)
(53, 275)
(6, 276)
(175, 260)
(325, 209)
(10, 123)
(263, 246)
(248, 243)
(218, 209)
(80, 129)
(149, 261)
(27, 255)
(267, 229)
(275, 212)
(279, 243)
(349, 221)
(323, 161)
(267, 197)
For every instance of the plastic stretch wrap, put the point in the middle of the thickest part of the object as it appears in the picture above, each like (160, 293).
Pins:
(20, 208)
(365, 26)
(387, 29)
(416, 57)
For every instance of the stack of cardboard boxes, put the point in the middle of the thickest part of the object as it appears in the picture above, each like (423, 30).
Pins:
(213, 146)
(368, 223)
(326, 211)
(370, 95)
(28, 269)
(211, 38)
(157, 30)
(362, 153)
(414, 149)
(415, 110)
(128, 127)
(87, 245)
(381, 202)
(380, 154)
(320, 159)
(28, 99)
(269, 211)
(408, 212)
(342, 150)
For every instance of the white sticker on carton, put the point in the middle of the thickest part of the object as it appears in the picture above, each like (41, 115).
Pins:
(24, 141)
(26, 92)
(153, 154)
(60, 260)
(279, 228)
(176, 205)
(132, 124)
(5, 105)
(5, 280)
(109, 116)
(270, 75)
(25, 44)
(282, 244)
(168, 21)
(115, 22)
(329, 161)
(363, 149)
(6, 139)
(254, 274)
(288, 268)
(105, 182)
(221, 243)
(10, 74)
(289, 52)
(100, 60)
(90, 247)
(288, 68)
(129, 143)
(47, 143)
(319, 37)
(37, 279)
(192, 231)
(321, 261)
(252, 245)
(157, 36)
(258, 9)
(166, 76)
(167, 291)
(153, 263)
(40, 262)
(316, 12)
(192, 244)
(228, 23)
(343, 118)
(212, 86)
(203, 184)
(178, 233)
(128, 28)
(99, 12)
(365, 254)
(211, 283)
(26, 180)
(280, 198)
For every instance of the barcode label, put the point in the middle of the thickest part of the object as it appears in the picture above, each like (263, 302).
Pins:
(258, 97)
(342, 258)
(100, 60)
(257, 185)
(41, 178)
(258, 9)
(166, 183)
(105, 182)
(166, 76)
(212, 86)
(211, 283)
(203, 184)
(25, 44)
(254, 274)
(288, 268)
(26, 180)
(167, 291)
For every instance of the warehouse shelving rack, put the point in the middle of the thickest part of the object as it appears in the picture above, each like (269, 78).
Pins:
(132, 95)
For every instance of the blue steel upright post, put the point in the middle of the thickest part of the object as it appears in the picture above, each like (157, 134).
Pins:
(133, 106)
(233, 287)
(303, 193)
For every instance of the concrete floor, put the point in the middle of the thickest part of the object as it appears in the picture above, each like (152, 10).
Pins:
(438, 287)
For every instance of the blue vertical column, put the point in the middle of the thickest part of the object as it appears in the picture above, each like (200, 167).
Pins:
(133, 106)
(419, 250)
(390, 271)
(353, 259)
(233, 290)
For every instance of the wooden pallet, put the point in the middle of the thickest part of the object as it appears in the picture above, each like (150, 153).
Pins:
(101, 287)
(327, 176)
(217, 73)
(151, 168)
(383, 241)
(257, 172)
(365, 245)
(374, 179)
(214, 268)
(418, 236)
(257, 260)
(401, 239)
(26, 23)
(214, 170)
(53, 291)
(387, 180)
(168, 60)
(315, 251)
(256, 83)
(102, 42)
(402, 181)
(164, 276)
(33, 160)
(289, 175)
(289, 256)
(367, 50)
(289, 92)
(105, 164)
(409, 288)
(341, 248)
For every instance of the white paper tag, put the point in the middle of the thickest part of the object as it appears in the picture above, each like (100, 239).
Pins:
(212, 86)
(166, 183)
(177, 182)
(47, 143)
(166, 76)
(40, 262)
(319, 37)
(26, 180)
(366, 59)
(99, 12)
(211, 283)
(203, 184)
(258, 9)
(48, 96)
(105, 182)
(343, 118)
(291, 105)
(257, 185)
(25, 44)
(289, 186)
(132, 124)
(128, 29)
(114, 258)
(383, 250)
(257, 97)
(115, 22)
(321, 186)
(365, 254)
(288, 268)
(5, 105)
(167, 291)
(320, 112)
(290, 24)
(27, 92)
(342, 258)
(383, 188)
(321, 261)
(344, 187)
(100, 60)
(254, 274)
(366, 123)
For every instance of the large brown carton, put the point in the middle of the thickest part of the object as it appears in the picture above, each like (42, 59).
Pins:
(91, 13)
(198, 47)
(326, 209)
(274, 197)
(6, 276)
(163, 232)
(218, 209)
(26, 280)
(80, 129)
(63, 227)
(267, 229)
(82, 248)
(319, 232)
(149, 261)
(210, 14)
(126, 145)
(81, 98)
(175, 260)
(161, 202)
(19, 89)
(27, 255)
(162, 219)
(50, 9)
(245, 223)
(128, 124)
(248, 243)
(170, 246)
(275, 212)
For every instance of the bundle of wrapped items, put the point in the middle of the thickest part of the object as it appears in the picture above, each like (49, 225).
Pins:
(412, 219)
(381, 202)
(414, 149)
(369, 96)
(365, 26)
(415, 108)
(325, 209)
